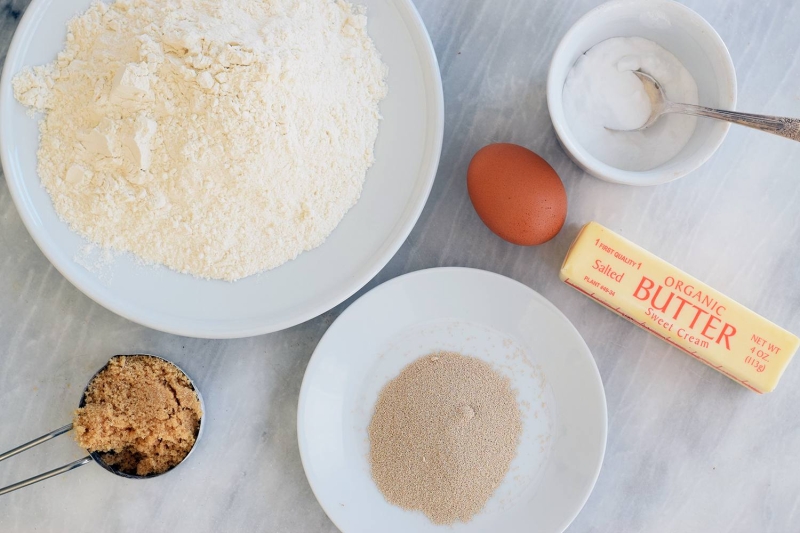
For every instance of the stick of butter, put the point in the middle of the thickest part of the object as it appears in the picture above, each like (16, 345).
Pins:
(678, 308)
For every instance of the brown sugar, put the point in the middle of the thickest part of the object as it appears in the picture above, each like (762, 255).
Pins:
(142, 413)
(443, 436)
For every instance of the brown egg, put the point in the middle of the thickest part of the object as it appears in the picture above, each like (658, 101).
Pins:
(517, 194)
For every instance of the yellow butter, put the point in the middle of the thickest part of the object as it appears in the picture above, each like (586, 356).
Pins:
(678, 308)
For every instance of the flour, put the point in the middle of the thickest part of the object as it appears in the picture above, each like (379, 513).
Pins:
(98, 261)
(217, 138)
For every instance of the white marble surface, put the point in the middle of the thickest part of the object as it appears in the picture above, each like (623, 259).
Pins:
(688, 450)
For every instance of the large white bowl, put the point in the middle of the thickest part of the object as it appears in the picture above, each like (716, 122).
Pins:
(681, 31)
(476, 313)
(407, 156)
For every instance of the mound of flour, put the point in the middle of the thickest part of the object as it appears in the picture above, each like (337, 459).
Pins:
(219, 138)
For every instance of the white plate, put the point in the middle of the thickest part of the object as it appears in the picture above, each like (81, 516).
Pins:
(475, 313)
(407, 155)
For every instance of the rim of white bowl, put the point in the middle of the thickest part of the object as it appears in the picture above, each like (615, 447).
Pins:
(428, 168)
(594, 166)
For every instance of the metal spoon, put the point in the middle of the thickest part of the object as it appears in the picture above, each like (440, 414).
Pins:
(660, 105)
(94, 456)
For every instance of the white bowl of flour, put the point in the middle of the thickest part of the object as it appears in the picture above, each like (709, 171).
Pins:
(684, 50)
(279, 209)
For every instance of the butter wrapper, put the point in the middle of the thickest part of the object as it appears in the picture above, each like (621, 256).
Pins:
(678, 308)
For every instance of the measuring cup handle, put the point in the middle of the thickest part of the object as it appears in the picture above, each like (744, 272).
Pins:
(35, 442)
(41, 477)
(51, 473)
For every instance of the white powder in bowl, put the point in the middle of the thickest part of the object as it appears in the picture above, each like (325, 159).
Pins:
(602, 92)
(219, 138)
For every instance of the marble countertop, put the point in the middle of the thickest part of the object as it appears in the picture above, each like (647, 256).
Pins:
(688, 449)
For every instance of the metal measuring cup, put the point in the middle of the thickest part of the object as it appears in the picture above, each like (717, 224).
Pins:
(96, 456)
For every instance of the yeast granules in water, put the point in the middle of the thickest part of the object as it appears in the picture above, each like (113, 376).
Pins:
(443, 435)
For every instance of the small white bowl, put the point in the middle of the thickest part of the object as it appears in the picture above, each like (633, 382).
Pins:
(676, 28)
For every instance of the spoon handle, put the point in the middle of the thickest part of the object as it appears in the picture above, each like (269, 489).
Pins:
(783, 126)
